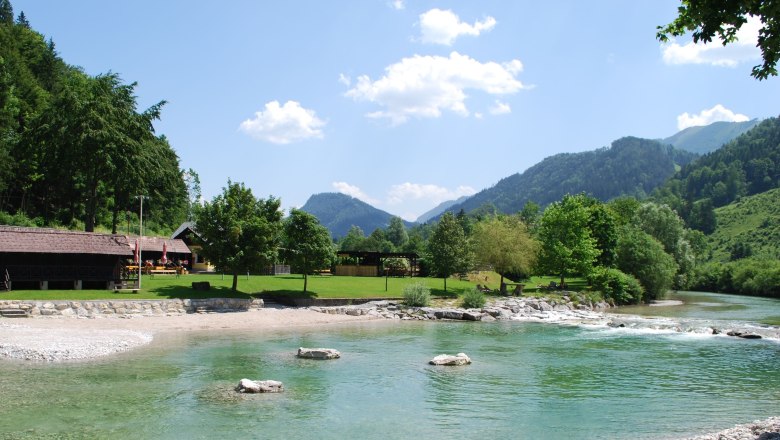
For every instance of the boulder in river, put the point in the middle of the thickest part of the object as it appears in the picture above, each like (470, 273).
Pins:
(318, 353)
(448, 359)
(260, 386)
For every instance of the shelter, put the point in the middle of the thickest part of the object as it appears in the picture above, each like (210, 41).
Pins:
(189, 235)
(152, 249)
(371, 264)
(44, 258)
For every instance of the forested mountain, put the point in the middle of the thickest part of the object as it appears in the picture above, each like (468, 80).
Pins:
(748, 165)
(631, 166)
(439, 209)
(707, 138)
(74, 149)
(338, 212)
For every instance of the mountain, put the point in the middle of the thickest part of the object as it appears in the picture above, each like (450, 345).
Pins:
(707, 138)
(750, 225)
(338, 212)
(631, 166)
(439, 209)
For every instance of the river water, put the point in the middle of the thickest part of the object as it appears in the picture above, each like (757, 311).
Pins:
(528, 381)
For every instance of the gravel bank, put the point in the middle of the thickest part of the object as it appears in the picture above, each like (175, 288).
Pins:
(768, 429)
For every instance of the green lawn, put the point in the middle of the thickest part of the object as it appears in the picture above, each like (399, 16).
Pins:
(326, 286)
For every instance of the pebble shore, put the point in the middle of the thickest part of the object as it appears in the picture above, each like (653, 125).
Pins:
(768, 429)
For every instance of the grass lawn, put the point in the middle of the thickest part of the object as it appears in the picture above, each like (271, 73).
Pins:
(326, 286)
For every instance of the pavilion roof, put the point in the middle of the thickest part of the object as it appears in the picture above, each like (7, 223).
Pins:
(17, 239)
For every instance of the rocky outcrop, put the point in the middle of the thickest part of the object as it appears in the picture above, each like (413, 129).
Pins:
(262, 386)
(318, 353)
(448, 359)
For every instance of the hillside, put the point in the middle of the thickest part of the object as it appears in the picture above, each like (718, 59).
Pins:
(750, 225)
(439, 209)
(704, 139)
(338, 212)
(631, 166)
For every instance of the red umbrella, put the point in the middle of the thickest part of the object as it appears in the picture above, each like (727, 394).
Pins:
(135, 254)
(165, 253)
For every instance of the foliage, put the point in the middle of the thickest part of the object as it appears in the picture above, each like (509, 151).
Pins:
(567, 246)
(417, 295)
(621, 288)
(396, 233)
(238, 232)
(641, 255)
(603, 228)
(723, 18)
(473, 299)
(748, 227)
(505, 244)
(749, 276)
(306, 244)
(448, 248)
(631, 166)
(663, 224)
(53, 116)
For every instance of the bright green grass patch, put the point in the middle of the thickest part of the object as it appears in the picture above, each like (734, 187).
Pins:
(167, 287)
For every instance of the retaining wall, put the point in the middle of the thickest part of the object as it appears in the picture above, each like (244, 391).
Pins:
(163, 307)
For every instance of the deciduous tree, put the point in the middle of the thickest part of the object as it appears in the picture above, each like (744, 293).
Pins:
(307, 244)
(239, 233)
(449, 248)
(504, 243)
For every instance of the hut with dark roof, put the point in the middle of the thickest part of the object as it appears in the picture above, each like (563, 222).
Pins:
(51, 258)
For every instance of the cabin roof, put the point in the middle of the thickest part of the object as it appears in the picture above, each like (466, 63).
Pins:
(17, 239)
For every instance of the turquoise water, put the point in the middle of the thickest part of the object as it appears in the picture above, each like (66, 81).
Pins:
(528, 381)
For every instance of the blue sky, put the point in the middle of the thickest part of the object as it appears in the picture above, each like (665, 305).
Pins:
(403, 104)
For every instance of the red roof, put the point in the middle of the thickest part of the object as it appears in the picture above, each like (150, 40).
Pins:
(54, 241)
(155, 244)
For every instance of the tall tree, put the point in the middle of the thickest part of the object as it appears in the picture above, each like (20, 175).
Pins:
(449, 248)
(723, 18)
(505, 243)
(396, 232)
(238, 232)
(307, 244)
(642, 256)
(567, 245)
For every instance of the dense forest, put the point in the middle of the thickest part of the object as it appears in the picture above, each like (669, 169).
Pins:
(631, 166)
(75, 151)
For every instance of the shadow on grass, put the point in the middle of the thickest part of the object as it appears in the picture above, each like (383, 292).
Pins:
(185, 292)
(450, 293)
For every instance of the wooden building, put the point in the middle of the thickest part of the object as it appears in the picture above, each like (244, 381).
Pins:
(38, 258)
(371, 264)
(189, 235)
(176, 250)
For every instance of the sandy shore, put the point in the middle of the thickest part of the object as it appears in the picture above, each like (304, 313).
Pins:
(68, 338)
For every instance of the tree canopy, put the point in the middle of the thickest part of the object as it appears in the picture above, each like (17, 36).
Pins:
(722, 19)
(449, 248)
(238, 232)
(505, 244)
(307, 244)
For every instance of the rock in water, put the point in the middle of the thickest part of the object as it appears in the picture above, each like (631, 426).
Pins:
(448, 359)
(260, 386)
(318, 353)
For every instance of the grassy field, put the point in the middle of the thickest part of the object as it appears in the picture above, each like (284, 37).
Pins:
(325, 286)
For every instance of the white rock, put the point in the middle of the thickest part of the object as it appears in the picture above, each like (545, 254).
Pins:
(318, 353)
(447, 359)
(261, 386)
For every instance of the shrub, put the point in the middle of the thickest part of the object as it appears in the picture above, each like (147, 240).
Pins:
(417, 295)
(473, 299)
(616, 285)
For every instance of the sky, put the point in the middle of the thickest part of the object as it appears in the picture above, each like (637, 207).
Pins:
(403, 104)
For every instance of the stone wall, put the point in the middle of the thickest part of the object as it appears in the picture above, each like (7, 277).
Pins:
(89, 309)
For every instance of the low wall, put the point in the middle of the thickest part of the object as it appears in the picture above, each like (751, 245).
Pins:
(302, 301)
(163, 307)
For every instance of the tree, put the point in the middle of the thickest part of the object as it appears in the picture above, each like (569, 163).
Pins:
(603, 229)
(642, 256)
(238, 232)
(307, 244)
(396, 232)
(504, 243)
(567, 244)
(530, 214)
(723, 18)
(448, 248)
(354, 239)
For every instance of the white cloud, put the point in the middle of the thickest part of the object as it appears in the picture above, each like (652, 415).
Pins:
(423, 86)
(404, 192)
(398, 4)
(444, 27)
(354, 191)
(345, 79)
(706, 117)
(283, 124)
(500, 108)
(714, 53)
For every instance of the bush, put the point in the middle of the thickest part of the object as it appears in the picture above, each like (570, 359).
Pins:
(616, 285)
(417, 295)
(473, 299)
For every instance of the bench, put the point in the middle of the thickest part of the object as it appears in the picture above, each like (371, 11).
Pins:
(153, 272)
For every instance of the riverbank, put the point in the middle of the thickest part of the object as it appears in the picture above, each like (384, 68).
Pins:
(768, 429)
